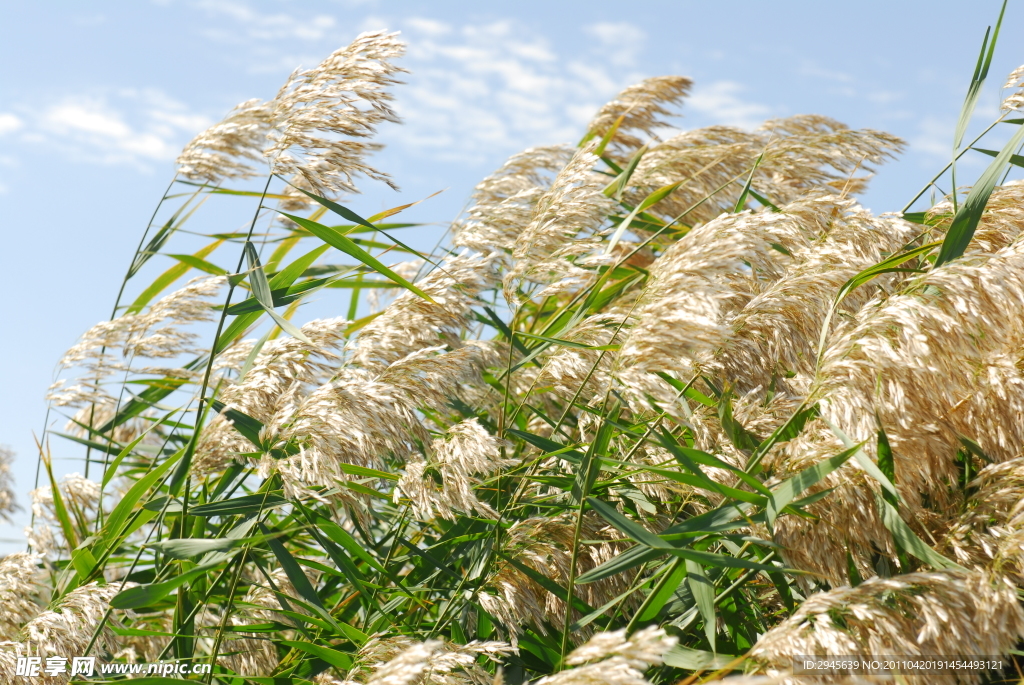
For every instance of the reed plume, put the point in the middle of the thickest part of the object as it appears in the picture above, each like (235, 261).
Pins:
(216, 154)
(8, 501)
(323, 116)
(562, 230)
(1014, 100)
(642, 108)
(950, 612)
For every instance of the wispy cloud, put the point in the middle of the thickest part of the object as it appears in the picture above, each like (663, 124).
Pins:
(934, 138)
(249, 24)
(9, 123)
(475, 89)
(475, 92)
(620, 40)
(270, 42)
(126, 126)
(722, 103)
(481, 88)
(848, 85)
(885, 97)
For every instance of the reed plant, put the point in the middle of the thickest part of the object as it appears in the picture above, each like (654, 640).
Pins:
(664, 405)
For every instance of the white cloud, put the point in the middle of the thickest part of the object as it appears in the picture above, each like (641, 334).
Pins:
(87, 117)
(474, 89)
(428, 27)
(934, 138)
(265, 27)
(9, 123)
(478, 90)
(720, 102)
(270, 43)
(128, 126)
(620, 40)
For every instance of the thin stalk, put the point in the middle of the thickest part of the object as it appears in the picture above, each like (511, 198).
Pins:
(952, 178)
(572, 402)
(1009, 167)
(397, 532)
(637, 583)
(200, 409)
(508, 374)
(131, 569)
(138, 248)
(227, 613)
(742, 579)
(947, 167)
(113, 313)
(570, 586)
(266, 487)
(111, 548)
(213, 350)
(199, 605)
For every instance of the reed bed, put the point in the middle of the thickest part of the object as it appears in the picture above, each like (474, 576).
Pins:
(666, 405)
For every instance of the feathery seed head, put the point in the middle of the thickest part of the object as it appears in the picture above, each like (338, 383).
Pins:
(990, 531)
(1014, 100)
(643, 108)
(466, 452)
(934, 363)
(282, 374)
(779, 327)
(612, 659)
(323, 115)
(155, 334)
(399, 660)
(359, 417)
(563, 226)
(642, 649)
(545, 544)
(948, 612)
(69, 627)
(41, 539)
(23, 593)
(411, 323)
(75, 490)
(215, 154)
(408, 270)
(506, 201)
(698, 282)
(799, 156)
(8, 501)
(530, 169)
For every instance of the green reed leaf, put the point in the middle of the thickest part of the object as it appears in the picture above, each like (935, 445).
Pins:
(264, 295)
(339, 241)
(966, 220)
(166, 278)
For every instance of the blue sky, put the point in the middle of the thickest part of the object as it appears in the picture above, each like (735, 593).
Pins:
(96, 100)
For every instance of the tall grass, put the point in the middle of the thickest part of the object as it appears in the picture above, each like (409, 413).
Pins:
(661, 408)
